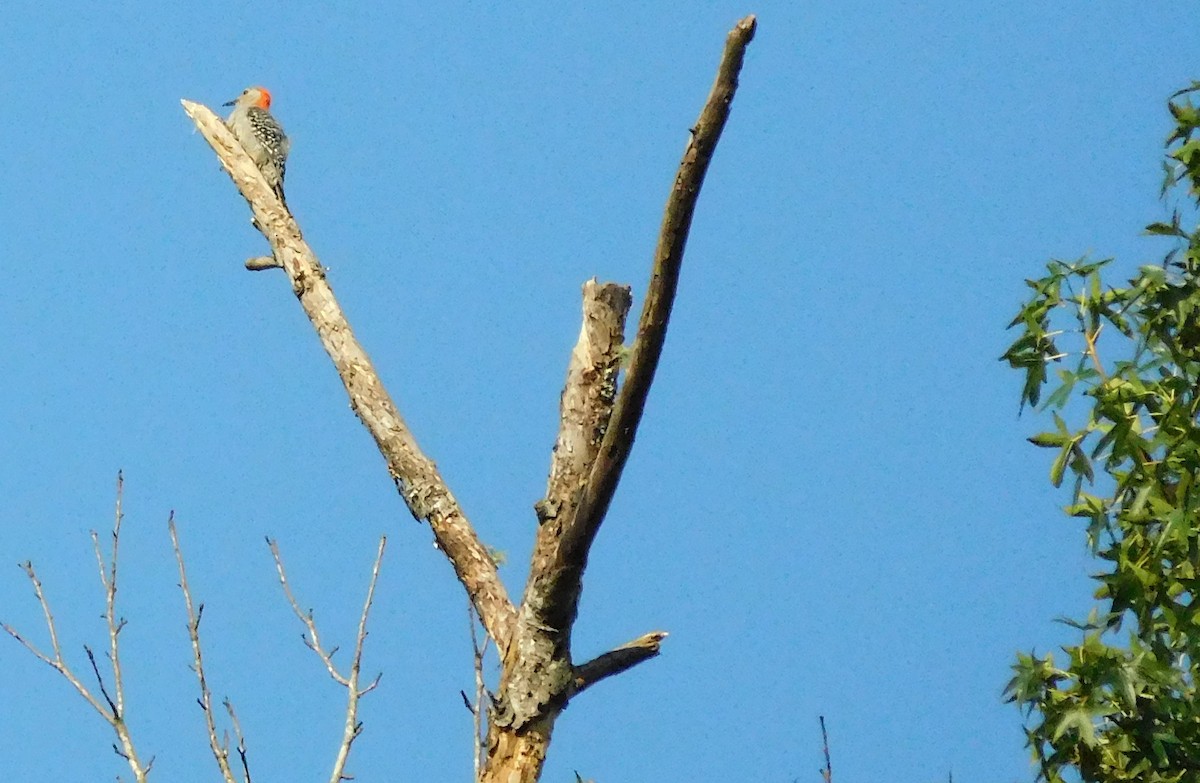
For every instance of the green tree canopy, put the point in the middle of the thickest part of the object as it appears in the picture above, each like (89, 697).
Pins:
(1124, 399)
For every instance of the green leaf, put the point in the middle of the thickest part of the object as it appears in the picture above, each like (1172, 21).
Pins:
(1078, 721)
(1166, 229)
(1059, 467)
(1059, 397)
(1080, 464)
(1049, 440)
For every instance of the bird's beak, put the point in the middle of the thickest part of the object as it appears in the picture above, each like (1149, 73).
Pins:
(228, 103)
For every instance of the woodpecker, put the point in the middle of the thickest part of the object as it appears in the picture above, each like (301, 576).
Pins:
(261, 135)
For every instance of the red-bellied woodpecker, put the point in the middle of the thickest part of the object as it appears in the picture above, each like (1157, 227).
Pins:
(261, 135)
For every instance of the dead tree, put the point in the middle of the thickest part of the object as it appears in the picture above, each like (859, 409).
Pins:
(599, 417)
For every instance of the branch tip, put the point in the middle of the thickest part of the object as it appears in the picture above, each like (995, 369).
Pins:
(616, 661)
(261, 263)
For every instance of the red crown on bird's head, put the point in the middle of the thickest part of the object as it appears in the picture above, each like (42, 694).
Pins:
(264, 97)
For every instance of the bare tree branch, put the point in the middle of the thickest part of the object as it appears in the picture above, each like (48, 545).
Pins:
(542, 631)
(656, 310)
(539, 678)
(220, 750)
(241, 739)
(312, 639)
(352, 727)
(585, 405)
(478, 652)
(827, 770)
(616, 661)
(100, 681)
(109, 581)
(58, 663)
(416, 476)
(597, 430)
(114, 714)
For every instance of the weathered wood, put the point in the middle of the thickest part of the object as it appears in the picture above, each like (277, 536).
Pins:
(598, 424)
(537, 676)
(416, 476)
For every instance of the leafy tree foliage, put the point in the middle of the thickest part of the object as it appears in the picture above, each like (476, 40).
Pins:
(1125, 401)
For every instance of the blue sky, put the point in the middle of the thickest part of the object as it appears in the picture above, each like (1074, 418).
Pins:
(831, 506)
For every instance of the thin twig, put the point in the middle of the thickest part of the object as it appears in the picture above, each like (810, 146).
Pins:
(827, 770)
(312, 640)
(100, 680)
(352, 727)
(110, 597)
(1090, 337)
(478, 652)
(114, 714)
(241, 739)
(219, 750)
(114, 631)
(57, 662)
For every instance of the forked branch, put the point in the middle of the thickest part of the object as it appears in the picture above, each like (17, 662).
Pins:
(537, 675)
(112, 710)
(597, 430)
(660, 297)
(240, 737)
(312, 639)
(219, 749)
